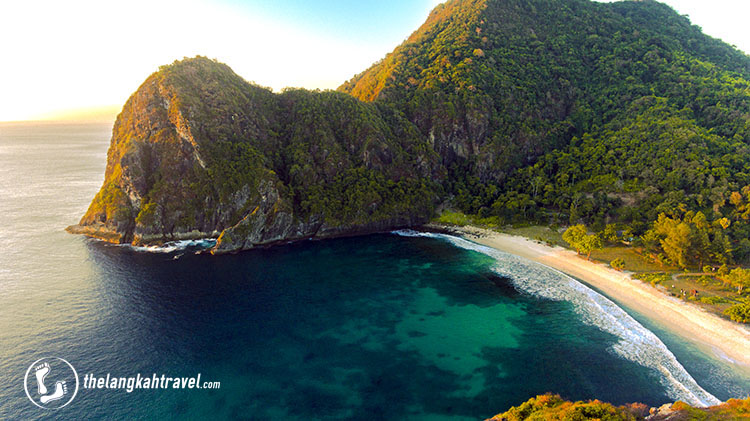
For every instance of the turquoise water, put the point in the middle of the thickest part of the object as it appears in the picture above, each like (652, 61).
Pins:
(387, 326)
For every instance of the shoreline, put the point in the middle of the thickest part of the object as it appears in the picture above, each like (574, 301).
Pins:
(725, 339)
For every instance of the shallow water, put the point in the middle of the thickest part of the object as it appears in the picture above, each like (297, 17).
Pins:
(385, 326)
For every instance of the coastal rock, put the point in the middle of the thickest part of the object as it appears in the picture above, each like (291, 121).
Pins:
(272, 222)
(661, 413)
(269, 222)
(198, 152)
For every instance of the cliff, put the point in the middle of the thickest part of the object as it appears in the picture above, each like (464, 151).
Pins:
(198, 152)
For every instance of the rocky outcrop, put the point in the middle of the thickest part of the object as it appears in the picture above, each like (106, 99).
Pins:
(197, 152)
(273, 221)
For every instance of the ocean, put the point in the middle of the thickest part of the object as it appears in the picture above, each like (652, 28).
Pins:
(402, 325)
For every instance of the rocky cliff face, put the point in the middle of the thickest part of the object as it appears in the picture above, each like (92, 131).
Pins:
(198, 152)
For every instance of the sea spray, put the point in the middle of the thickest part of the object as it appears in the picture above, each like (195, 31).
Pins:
(635, 343)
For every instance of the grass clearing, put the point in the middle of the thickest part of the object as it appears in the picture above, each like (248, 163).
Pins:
(634, 261)
(543, 234)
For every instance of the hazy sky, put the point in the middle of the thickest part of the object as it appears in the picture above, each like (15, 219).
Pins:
(67, 55)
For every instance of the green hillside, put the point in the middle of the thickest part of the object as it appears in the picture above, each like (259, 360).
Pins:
(574, 111)
(551, 111)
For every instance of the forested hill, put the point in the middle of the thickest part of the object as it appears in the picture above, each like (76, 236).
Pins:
(198, 152)
(575, 111)
(501, 82)
(558, 111)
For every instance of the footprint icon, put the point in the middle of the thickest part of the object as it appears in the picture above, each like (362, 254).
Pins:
(41, 373)
(58, 374)
(60, 390)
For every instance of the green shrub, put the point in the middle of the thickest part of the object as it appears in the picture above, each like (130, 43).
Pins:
(739, 313)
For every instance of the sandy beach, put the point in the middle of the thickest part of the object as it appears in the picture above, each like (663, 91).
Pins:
(724, 338)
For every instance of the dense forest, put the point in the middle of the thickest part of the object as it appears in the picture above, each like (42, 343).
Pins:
(565, 112)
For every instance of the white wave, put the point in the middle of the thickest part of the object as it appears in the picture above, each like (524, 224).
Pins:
(636, 343)
(173, 246)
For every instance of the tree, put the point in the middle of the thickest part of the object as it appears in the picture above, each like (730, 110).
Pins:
(578, 238)
(674, 237)
(617, 264)
(700, 243)
(739, 278)
(722, 271)
(720, 249)
(589, 244)
(690, 240)
(740, 313)
(609, 233)
(574, 235)
(575, 203)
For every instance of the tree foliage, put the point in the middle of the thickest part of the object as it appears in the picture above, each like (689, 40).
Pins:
(739, 312)
(578, 238)
(738, 278)
(689, 240)
(618, 263)
(553, 407)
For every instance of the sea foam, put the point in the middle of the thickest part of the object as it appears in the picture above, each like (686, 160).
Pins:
(174, 246)
(635, 342)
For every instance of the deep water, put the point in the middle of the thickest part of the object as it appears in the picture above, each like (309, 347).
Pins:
(378, 327)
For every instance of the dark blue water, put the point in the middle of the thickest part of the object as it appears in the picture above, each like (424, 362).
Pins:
(379, 327)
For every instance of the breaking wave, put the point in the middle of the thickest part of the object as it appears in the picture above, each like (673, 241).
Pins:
(635, 342)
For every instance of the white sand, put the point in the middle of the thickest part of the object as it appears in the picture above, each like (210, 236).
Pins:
(726, 339)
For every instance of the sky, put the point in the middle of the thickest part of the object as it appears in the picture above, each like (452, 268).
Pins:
(83, 58)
